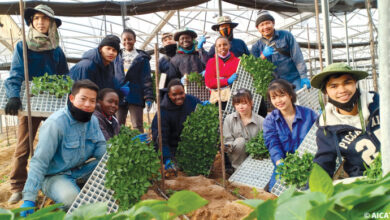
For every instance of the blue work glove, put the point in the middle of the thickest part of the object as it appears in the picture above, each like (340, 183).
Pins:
(268, 51)
(232, 78)
(205, 102)
(27, 204)
(201, 41)
(142, 137)
(169, 164)
(203, 72)
(148, 103)
(305, 81)
(183, 79)
(125, 89)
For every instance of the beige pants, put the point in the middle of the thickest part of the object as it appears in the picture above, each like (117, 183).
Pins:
(238, 154)
(136, 116)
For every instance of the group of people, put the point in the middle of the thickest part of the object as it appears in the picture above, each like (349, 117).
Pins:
(110, 82)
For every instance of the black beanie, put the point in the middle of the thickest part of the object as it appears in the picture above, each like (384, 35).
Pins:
(264, 16)
(112, 41)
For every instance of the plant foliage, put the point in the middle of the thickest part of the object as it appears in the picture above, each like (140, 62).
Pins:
(261, 71)
(295, 170)
(199, 139)
(57, 85)
(197, 78)
(358, 200)
(374, 171)
(131, 167)
(256, 147)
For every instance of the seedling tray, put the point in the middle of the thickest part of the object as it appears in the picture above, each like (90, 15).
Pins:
(308, 98)
(201, 92)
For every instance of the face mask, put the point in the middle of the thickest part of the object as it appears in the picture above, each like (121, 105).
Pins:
(227, 32)
(170, 50)
(78, 114)
(348, 106)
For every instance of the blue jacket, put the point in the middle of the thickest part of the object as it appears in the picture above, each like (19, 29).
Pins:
(141, 86)
(172, 119)
(277, 135)
(91, 67)
(39, 63)
(63, 147)
(238, 47)
(290, 67)
(356, 148)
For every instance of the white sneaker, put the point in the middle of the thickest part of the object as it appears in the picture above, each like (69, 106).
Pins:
(15, 197)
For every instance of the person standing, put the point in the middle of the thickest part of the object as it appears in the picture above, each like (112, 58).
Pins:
(280, 48)
(44, 56)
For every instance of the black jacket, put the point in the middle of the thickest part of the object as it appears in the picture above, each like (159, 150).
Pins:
(187, 63)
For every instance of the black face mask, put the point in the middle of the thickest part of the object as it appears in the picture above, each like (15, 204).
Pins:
(170, 50)
(227, 32)
(348, 106)
(78, 114)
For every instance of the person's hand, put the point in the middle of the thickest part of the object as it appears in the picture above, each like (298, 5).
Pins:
(142, 137)
(305, 81)
(268, 51)
(232, 78)
(207, 102)
(148, 103)
(27, 204)
(125, 89)
(278, 165)
(169, 165)
(13, 106)
(201, 41)
(202, 73)
(183, 79)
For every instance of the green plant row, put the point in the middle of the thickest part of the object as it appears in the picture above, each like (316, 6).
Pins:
(131, 167)
(374, 171)
(178, 204)
(257, 148)
(196, 77)
(295, 170)
(57, 85)
(199, 139)
(356, 201)
(261, 71)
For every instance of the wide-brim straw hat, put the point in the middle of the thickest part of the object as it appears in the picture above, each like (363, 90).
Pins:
(29, 12)
(223, 20)
(184, 31)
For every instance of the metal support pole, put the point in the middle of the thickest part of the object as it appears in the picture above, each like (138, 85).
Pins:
(309, 51)
(372, 46)
(327, 31)
(318, 33)
(123, 12)
(346, 36)
(178, 19)
(105, 25)
(26, 80)
(220, 7)
(220, 120)
(384, 81)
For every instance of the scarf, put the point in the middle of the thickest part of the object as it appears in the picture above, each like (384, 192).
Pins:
(225, 58)
(170, 50)
(37, 41)
(78, 114)
(182, 50)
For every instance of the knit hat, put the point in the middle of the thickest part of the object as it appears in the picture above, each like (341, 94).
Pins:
(263, 16)
(112, 41)
(223, 20)
(29, 12)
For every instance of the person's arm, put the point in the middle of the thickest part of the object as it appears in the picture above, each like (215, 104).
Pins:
(82, 70)
(147, 81)
(228, 138)
(102, 125)
(210, 76)
(326, 154)
(297, 56)
(16, 75)
(256, 50)
(62, 68)
(50, 137)
(272, 140)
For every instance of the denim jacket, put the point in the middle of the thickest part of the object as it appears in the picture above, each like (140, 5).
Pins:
(277, 135)
(290, 67)
(64, 145)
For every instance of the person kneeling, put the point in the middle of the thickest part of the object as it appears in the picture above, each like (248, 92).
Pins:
(67, 139)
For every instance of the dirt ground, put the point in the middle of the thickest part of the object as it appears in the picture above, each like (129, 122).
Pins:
(222, 202)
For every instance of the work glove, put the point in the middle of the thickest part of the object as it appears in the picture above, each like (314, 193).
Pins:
(169, 165)
(232, 78)
(183, 79)
(305, 81)
(205, 102)
(13, 105)
(201, 41)
(27, 204)
(142, 137)
(202, 73)
(268, 51)
(125, 89)
(148, 103)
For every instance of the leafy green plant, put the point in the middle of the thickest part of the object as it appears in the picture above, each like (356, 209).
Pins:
(256, 147)
(196, 77)
(295, 170)
(57, 85)
(3, 179)
(374, 171)
(199, 139)
(131, 167)
(261, 71)
(358, 200)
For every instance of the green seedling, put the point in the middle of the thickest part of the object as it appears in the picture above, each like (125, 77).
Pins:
(257, 148)
(196, 77)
